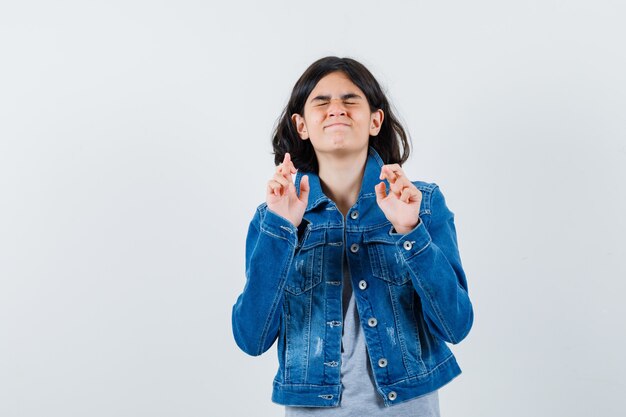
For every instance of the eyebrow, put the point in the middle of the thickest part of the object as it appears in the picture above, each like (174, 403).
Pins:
(347, 96)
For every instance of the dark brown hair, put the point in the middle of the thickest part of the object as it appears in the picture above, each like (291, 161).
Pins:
(391, 143)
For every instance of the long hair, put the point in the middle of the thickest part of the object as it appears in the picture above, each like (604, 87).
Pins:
(391, 143)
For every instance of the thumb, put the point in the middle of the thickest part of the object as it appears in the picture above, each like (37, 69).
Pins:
(304, 189)
(381, 191)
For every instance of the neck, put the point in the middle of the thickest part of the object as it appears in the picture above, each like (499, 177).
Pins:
(341, 178)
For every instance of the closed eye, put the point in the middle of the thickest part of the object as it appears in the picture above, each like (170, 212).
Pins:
(325, 103)
(348, 99)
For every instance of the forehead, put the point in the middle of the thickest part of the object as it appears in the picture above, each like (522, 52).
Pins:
(335, 83)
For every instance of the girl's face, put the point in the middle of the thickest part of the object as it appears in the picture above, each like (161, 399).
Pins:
(337, 117)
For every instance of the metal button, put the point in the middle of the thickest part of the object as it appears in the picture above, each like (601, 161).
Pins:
(392, 396)
(362, 284)
(382, 362)
(354, 215)
(354, 248)
(372, 322)
(407, 245)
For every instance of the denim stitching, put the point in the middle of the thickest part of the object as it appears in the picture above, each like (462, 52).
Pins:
(287, 366)
(422, 375)
(274, 307)
(435, 308)
(399, 333)
(308, 338)
(419, 251)
(417, 331)
(266, 231)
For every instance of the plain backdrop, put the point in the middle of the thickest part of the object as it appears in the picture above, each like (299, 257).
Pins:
(135, 147)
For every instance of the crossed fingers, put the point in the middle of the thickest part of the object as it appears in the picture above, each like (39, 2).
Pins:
(399, 184)
(282, 181)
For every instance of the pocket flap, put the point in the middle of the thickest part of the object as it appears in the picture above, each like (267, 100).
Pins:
(313, 238)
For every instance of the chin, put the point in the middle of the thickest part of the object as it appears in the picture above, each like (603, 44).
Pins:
(339, 144)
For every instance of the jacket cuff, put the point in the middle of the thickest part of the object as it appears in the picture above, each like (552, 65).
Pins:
(277, 226)
(413, 242)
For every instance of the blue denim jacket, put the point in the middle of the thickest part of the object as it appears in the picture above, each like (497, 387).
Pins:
(410, 291)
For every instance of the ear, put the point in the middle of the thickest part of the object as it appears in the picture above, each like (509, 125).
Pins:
(376, 121)
(299, 123)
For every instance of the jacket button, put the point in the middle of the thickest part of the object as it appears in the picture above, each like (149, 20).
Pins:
(372, 322)
(362, 284)
(407, 245)
(392, 396)
(382, 362)
(354, 215)
(354, 248)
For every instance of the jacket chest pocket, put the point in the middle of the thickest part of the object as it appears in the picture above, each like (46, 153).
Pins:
(385, 259)
(306, 268)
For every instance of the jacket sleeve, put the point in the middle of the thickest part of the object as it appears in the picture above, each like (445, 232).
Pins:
(433, 259)
(270, 247)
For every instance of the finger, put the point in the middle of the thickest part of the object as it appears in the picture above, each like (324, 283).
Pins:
(380, 190)
(290, 169)
(274, 187)
(387, 174)
(392, 173)
(304, 188)
(400, 184)
(416, 195)
(291, 190)
(396, 169)
(281, 179)
(409, 195)
(280, 169)
(406, 194)
(285, 170)
(285, 164)
(271, 189)
(289, 163)
(395, 174)
(396, 188)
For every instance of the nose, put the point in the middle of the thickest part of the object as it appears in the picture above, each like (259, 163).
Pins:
(336, 108)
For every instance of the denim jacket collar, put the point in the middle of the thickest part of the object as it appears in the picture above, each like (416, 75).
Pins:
(371, 178)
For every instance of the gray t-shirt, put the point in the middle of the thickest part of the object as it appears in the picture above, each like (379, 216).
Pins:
(359, 397)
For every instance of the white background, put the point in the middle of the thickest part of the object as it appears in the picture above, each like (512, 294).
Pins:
(135, 147)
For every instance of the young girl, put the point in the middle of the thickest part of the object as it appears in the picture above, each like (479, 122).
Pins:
(352, 267)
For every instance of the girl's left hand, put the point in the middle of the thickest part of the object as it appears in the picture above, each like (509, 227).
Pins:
(402, 205)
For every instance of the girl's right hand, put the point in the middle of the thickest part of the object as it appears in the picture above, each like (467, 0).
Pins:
(282, 198)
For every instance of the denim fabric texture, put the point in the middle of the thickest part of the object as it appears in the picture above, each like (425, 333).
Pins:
(410, 290)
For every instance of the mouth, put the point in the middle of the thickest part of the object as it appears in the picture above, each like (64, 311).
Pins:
(337, 125)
